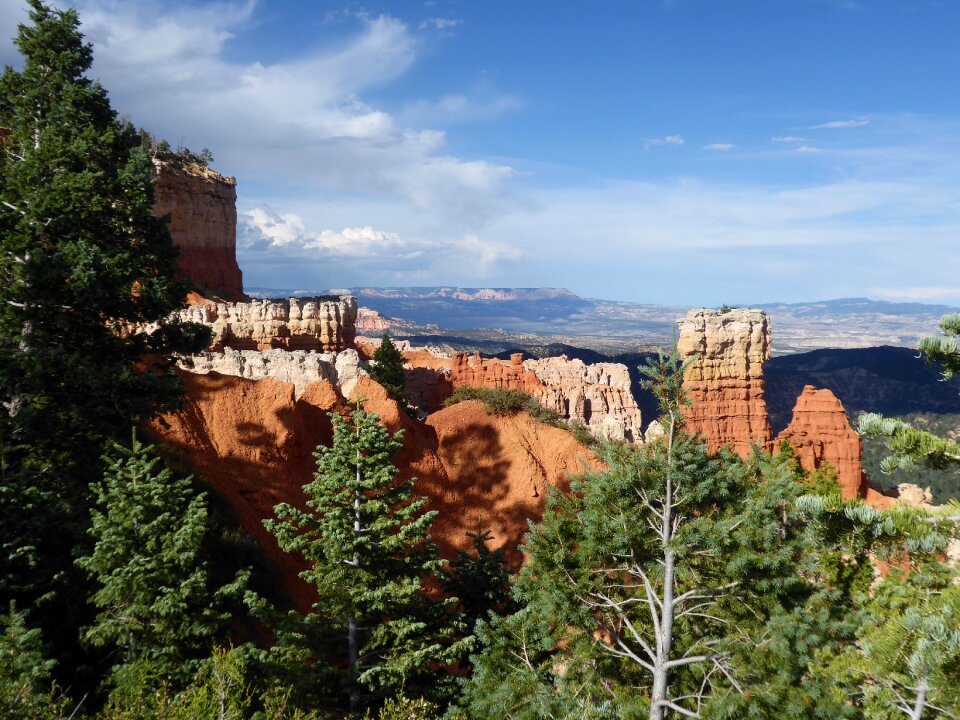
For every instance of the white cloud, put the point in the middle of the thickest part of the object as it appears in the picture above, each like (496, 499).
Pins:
(278, 238)
(809, 150)
(459, 108)
(302, 122)
(841, 124)
(720, 147)
(667, 140)
(948, 293)
(441, 24)
(788, 139)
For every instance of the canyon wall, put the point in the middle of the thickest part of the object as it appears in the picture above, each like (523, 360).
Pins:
(596, 395)
(725, 380)
(254, 440)
(326, 324)
(202, 205)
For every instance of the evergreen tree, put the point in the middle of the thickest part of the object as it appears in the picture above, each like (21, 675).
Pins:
(480, 579)
(157, 608)
(26, 689)
(86, 267)
(366, 537)
(676, 583)
(387, 369)
(85, 272)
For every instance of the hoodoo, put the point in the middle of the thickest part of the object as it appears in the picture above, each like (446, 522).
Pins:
(725, 380)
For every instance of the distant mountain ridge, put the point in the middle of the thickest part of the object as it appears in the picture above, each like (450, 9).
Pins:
(557, 315)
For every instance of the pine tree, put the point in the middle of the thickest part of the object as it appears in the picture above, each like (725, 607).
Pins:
(387, 369)
(86, 268)
(366, 537)
(480, 579)
(26, 689)
(675, 583)
(157, 608)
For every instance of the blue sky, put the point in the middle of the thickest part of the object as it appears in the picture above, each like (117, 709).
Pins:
(685, 151)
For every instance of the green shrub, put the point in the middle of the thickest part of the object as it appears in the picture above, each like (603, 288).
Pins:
(583, 435)
(503, 402)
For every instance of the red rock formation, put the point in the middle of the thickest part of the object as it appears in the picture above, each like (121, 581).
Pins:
(201, 204)
(254, 442)
(597, 395)
(725, 382)
(821, 433)
(499, 470)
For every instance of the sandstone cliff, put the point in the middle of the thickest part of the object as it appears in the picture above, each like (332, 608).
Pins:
(820, 432)
(201, 204)
(596, 395)
(299, 367)
(253, 440)
(725, 381)
(324, 324)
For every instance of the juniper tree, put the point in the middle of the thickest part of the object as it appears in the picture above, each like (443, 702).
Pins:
(365, 536)
(157, 610)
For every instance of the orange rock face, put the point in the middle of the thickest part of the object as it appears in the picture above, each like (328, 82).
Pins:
(725, 382)
(254, 442)
(821, 433)
(597, 395)
(499, 470)
(202, 205)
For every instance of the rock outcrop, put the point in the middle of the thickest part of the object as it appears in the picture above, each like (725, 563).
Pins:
(820, 432)
(299, 367)
(253, 440)
(202, 205)
(596, 395)
(325, 324)
(725, 381)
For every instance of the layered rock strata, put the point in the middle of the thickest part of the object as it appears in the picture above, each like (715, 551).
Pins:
(202, 205)
(820, 433)
(325, 324)
(596, 395)
(725, 380)
(298, 367)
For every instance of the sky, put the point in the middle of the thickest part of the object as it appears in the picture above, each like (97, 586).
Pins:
(684, 152)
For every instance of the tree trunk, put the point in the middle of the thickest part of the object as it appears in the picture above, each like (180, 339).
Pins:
(921, 701)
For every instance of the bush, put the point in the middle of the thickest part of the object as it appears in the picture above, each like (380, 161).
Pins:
(503, 402)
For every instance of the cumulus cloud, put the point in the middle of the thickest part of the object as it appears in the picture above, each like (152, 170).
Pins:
(366, 251)
(788, 139)
(841, 124)
(302, 122)
(667, 140)
(808, 150)
(719, 147)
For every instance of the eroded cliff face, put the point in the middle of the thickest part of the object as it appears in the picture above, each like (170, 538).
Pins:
(596, 395)
(325, 324)
(725, 381)
(253, 440)
(820, 432)
(299, 367)
(202, 205)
